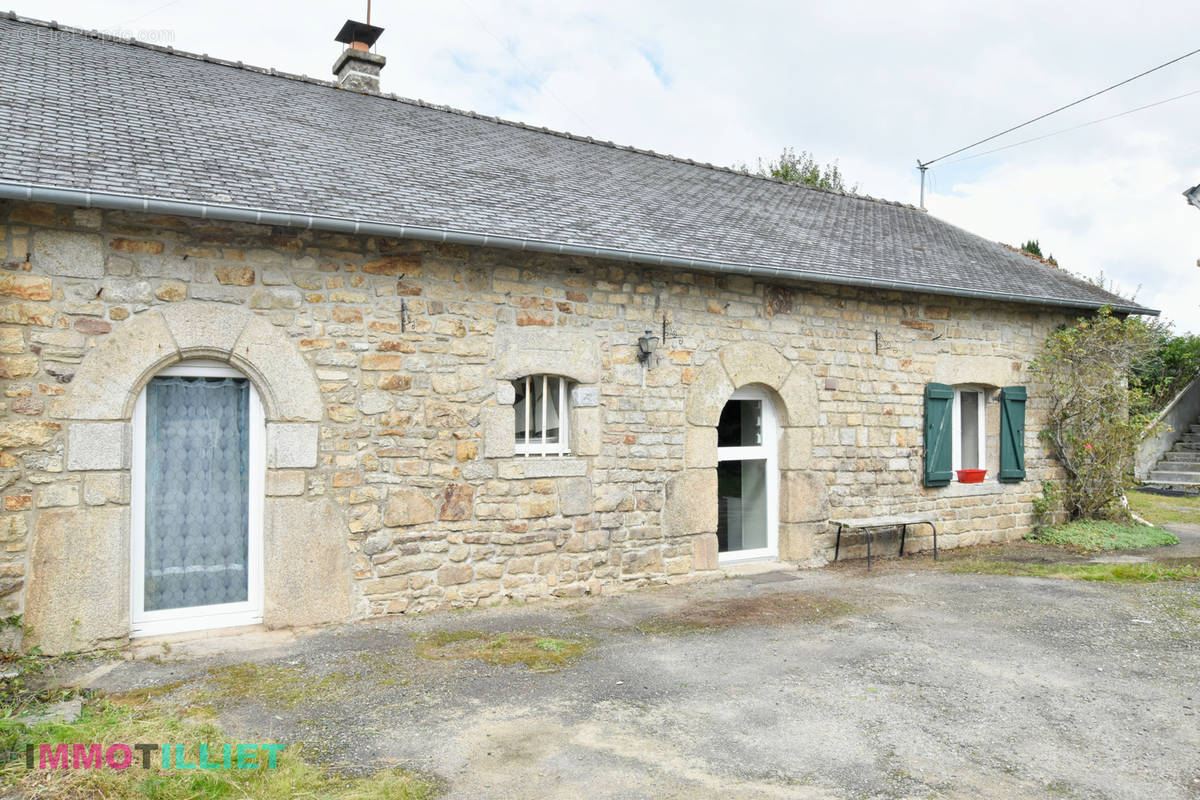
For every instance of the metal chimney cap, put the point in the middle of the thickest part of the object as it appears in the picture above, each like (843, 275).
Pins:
(1193, 195)
(358, 32)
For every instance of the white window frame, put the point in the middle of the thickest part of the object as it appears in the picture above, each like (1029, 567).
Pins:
(196, 618)
(533, 447)
(956, 418)
(767, 451)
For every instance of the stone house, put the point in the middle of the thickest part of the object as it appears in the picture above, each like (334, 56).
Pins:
(287, 352)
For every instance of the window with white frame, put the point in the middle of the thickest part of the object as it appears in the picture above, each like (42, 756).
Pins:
(542, 415)
(970, 428)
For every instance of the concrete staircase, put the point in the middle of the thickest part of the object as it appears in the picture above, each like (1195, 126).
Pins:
(1179, 467)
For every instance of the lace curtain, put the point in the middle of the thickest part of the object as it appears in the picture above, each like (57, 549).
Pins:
(197, 491)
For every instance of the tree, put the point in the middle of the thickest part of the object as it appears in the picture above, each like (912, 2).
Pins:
(1175, 362)
(1096, 418)
(802, 168)
(1035, 249)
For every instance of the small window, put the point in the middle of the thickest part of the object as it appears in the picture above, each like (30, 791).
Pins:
(541, 415)
(970, 428)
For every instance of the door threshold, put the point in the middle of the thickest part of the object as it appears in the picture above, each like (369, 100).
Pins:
(214, 641)
(735, 569)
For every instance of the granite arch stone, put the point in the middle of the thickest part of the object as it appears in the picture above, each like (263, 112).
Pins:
(754, 362)
(536, 351)
(113, 372)
(799, 396)
(108, 381)
(708, 394)
(282, 376)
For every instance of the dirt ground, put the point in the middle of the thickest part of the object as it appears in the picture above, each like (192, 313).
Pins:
(908, 681)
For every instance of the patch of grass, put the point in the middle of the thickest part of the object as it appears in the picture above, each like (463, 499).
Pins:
(1092, 535)
(278, 685)
(445, 638)
(1140, 572)
(767, 609)
(538, 653)
(1160, 508)
(109, 722)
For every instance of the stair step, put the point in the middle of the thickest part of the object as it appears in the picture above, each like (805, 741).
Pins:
(1181, 445)
(1182, 455)
(1194, 428)
(1190, 437)
(1169, 476)
(1178, 466)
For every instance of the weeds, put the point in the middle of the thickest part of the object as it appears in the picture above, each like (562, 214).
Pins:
(1139, 572)
(112, 722)
(21, 685)
(282, 686)
(1091, 535)
(538, 653)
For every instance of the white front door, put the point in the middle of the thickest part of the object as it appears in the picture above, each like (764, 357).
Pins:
(197, 501)
(747, 478)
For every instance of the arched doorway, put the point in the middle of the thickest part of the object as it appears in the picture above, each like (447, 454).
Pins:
(198, 466)
(748, 477)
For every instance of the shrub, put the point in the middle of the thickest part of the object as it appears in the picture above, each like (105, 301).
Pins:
(1096, 419)
(1175, 362)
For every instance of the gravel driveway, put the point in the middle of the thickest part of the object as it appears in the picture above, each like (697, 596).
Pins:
(907, 681)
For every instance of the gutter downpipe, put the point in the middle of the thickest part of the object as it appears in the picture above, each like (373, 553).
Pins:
(36, 193)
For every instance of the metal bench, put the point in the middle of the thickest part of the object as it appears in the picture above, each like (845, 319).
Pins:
(867, 524)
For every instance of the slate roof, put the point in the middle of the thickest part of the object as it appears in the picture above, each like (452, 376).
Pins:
(89, 113)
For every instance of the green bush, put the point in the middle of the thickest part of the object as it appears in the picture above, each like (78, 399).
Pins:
(1173, 365)
(1096, 419)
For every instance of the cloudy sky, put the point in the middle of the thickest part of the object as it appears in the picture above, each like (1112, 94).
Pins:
(873, 85)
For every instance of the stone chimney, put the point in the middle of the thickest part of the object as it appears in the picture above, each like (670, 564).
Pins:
(357, 67)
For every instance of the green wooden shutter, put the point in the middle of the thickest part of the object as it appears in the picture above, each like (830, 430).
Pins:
(939, 434)
(1012, 433)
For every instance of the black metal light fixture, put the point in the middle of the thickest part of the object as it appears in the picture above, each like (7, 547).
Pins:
(647, 344)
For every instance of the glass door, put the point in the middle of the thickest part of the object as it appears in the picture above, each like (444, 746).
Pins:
(747, 478)
(196, 554)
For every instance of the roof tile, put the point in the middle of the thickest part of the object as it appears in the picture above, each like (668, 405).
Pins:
(79, 111)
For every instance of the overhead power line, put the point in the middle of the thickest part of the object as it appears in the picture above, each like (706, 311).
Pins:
(530, 74)
(1075, 127)
(1060, 108)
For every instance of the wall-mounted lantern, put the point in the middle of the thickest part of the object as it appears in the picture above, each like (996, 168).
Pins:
(647, 344)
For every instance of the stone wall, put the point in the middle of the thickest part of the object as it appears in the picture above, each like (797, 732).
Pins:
(385, 368)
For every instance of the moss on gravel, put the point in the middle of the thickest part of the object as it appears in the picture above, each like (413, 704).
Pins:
(1137, 572)
(536, 652)
(277, 685)
(767, 609)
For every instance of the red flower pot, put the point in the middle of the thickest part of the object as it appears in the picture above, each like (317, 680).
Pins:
(971, 475)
